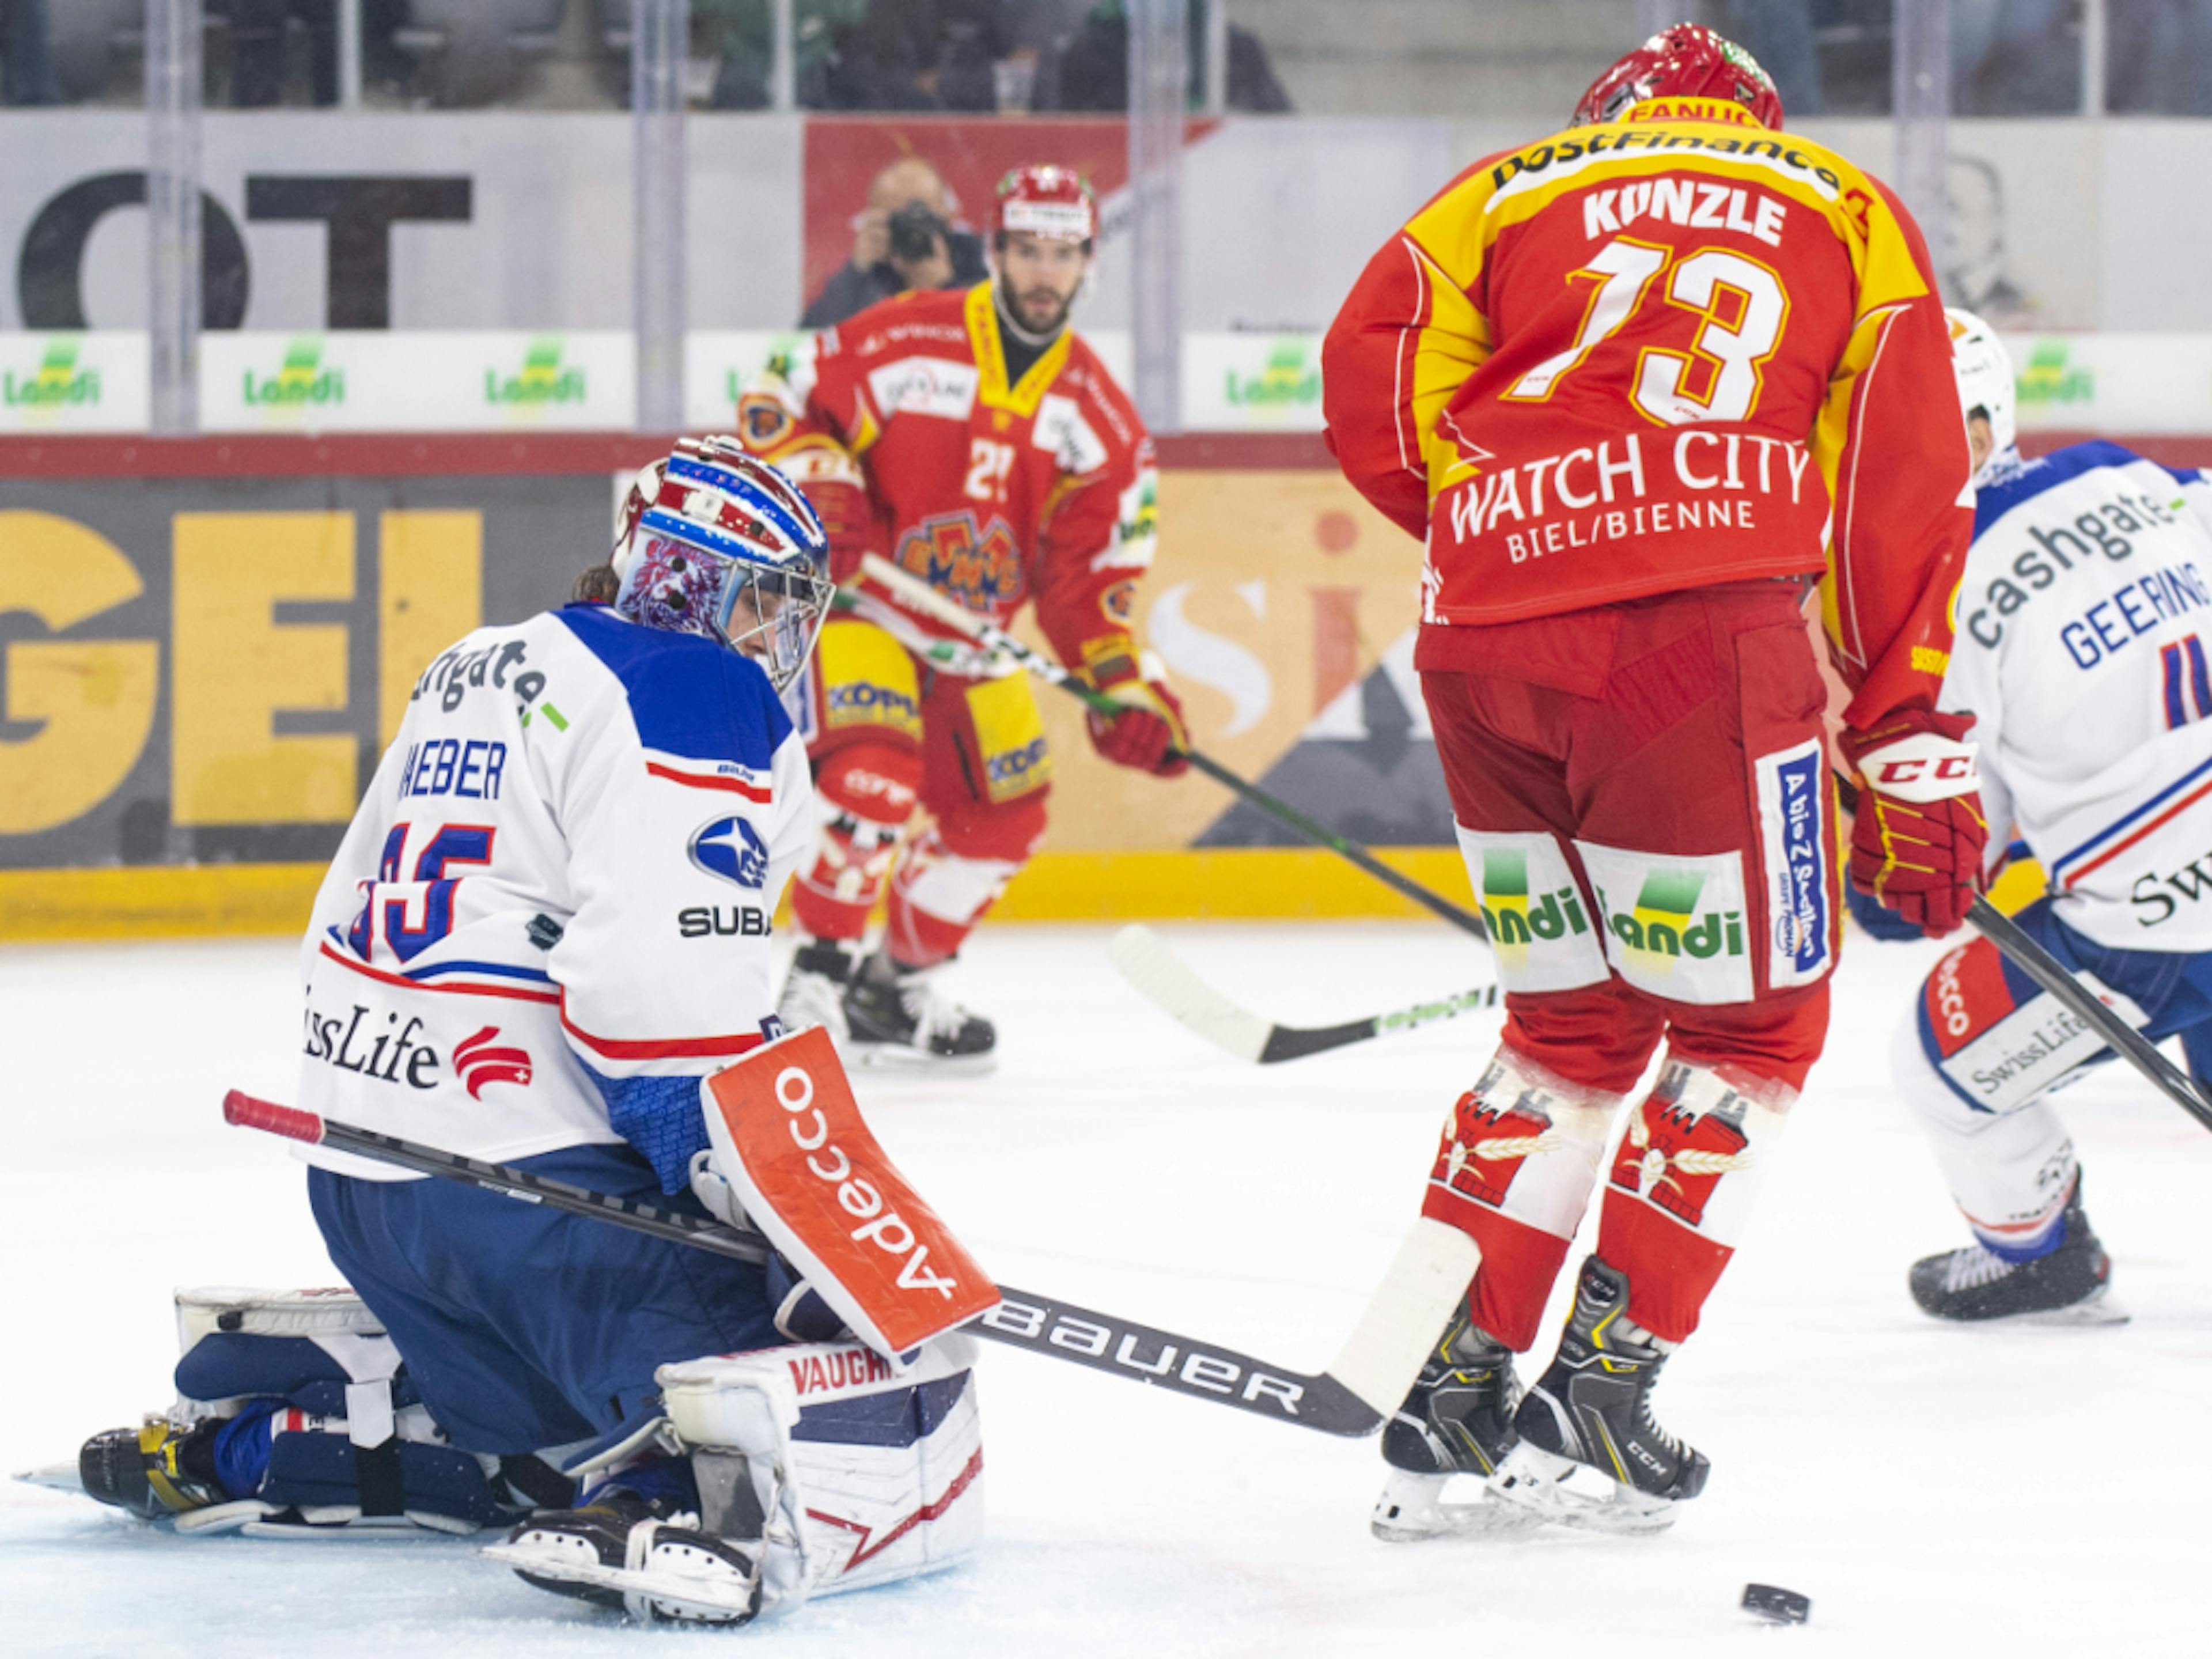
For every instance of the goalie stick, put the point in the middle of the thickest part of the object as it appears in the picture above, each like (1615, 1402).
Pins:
(1165, 981)
(1377, 1364)
(987, 633)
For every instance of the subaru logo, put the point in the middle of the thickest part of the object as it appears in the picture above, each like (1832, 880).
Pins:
(731, 849)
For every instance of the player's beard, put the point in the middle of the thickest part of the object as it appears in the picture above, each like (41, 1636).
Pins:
(1017, 305)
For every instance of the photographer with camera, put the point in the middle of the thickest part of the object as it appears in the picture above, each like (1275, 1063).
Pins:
(903, 240)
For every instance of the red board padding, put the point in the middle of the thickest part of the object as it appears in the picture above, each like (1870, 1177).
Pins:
(434, 455)
(813, 1179)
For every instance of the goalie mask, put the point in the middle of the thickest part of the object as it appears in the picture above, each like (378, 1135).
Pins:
(1983, 368)
(714, 541)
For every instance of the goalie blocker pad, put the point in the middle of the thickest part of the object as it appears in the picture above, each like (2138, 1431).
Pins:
(789, 1139)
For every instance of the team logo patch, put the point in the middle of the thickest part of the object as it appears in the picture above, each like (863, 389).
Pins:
(978, 565)
(1792, 797)
(480, 1062)
(761, 419)
(730, 849)
(1540, 928)
(1119, 602)
(1675, 926)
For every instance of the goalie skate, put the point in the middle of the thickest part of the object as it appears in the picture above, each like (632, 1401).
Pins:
(620, 1552)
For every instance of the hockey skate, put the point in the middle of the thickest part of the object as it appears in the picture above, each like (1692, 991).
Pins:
(814, 994)
(1591, 1454)
(153, 1471)
(640, 1556)
(1458, 1420)
(894, 1015)
(2070, 1286)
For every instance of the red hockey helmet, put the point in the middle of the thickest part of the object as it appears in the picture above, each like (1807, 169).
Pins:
(1046, 200)
(1687, 61)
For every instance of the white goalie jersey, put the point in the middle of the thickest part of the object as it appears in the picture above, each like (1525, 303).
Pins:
(2084, 645)
(561, 877)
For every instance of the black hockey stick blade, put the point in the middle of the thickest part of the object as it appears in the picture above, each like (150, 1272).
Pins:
(1165, 981)
(2131, 1045)
(1058, 1330)
(1221, 1376)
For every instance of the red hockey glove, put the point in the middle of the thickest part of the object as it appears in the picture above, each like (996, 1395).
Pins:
(1917, 843)
(1149, 733)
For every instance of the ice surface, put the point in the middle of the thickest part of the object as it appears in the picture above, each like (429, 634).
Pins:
(1934, 1490)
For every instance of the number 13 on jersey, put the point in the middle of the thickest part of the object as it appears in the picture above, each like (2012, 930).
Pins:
(1740, 309)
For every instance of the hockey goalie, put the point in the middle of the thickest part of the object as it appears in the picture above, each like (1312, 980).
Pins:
(544, 942)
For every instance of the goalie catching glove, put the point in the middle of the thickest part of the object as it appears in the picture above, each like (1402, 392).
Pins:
(1149, 733)
(1917, 839)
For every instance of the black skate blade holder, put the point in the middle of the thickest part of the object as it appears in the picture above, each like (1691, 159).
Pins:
(1775, 1605)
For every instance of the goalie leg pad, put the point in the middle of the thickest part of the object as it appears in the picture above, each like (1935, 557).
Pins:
(815, 1470)
(304, 1415)
(860, 1477)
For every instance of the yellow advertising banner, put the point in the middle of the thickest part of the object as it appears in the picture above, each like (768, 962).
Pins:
(199, 674)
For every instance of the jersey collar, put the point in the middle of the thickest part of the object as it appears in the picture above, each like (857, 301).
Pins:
(991, 388)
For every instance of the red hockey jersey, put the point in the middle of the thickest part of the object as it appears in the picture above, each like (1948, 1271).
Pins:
(1669, 350)
(901, 426)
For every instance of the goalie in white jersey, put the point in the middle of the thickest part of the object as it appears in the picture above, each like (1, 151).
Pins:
(548, 921)
(2083, 618)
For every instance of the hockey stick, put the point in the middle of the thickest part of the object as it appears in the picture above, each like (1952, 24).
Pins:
(1166, 981)
(2046, 970)
(2020, 949)
(1043, 1325)
(984, 632)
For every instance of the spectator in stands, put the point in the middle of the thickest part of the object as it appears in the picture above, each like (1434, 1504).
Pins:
(920, 55)
(905, 238)
(26, 67)
(1779, 34)
(738, 37)
(1094, 64)
(2159, 57)
(2015, 57)
(259, 49)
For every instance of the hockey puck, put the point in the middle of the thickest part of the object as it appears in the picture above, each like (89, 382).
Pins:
(1776, 1605)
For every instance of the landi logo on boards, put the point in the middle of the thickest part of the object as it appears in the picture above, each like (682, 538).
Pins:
(2049, 378)
(57, 380)
(300, 381)
(1289, 377)
(542, 379)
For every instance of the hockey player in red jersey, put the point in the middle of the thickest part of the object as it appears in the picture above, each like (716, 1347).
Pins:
(973, 438)
(1638, 384)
